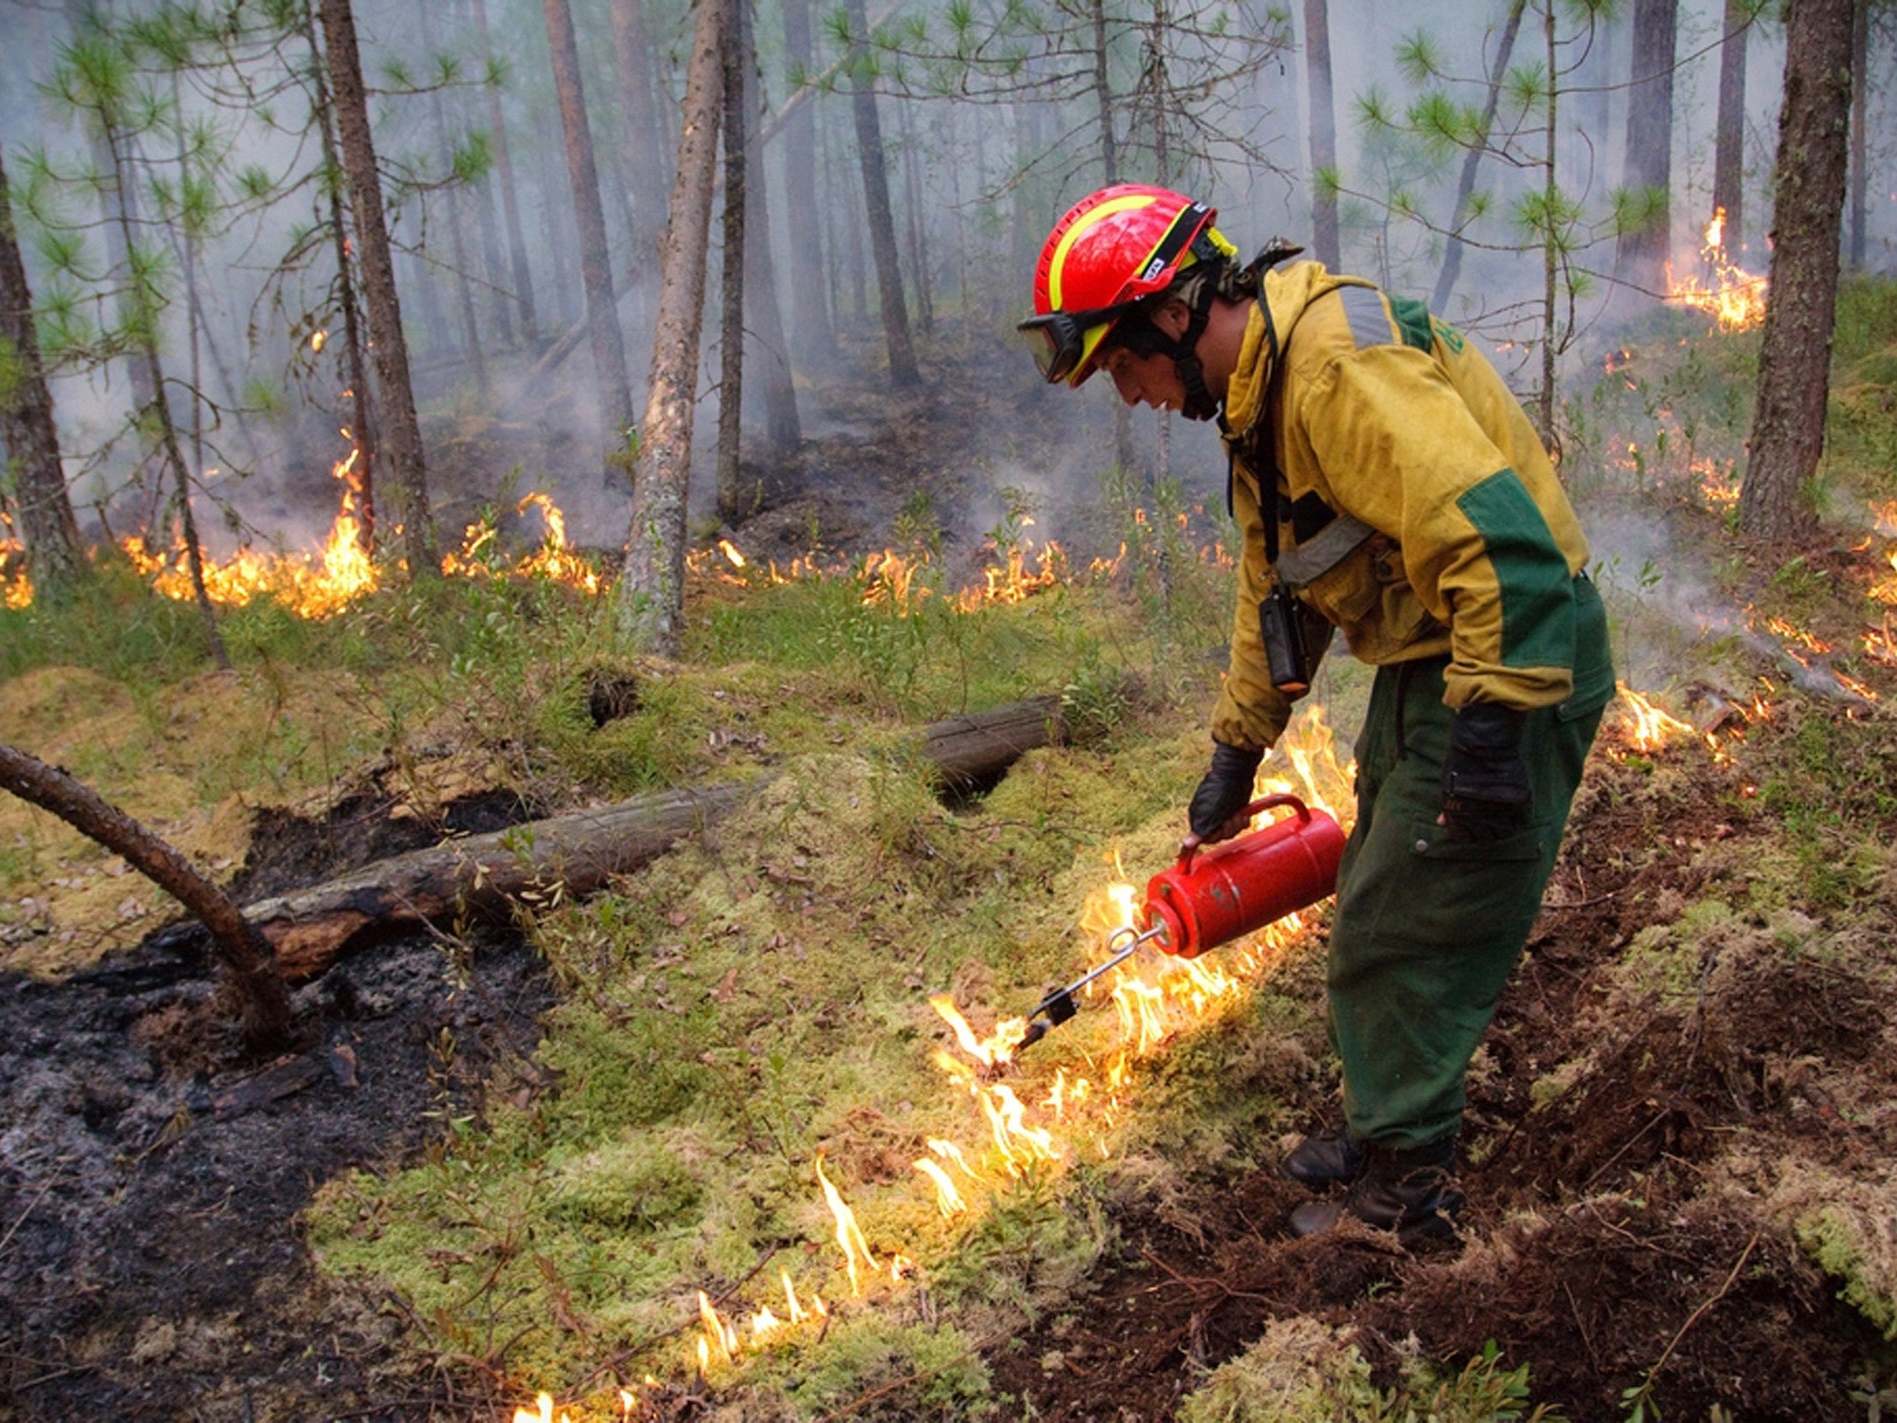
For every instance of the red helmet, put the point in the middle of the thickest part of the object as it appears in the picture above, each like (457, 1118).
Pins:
(1111, 250)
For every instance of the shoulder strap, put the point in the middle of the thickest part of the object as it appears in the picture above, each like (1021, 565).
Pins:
(1322, 552)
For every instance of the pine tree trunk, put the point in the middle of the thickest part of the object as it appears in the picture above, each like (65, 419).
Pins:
(361, 426)
(1317, 81)
(783, 429)
(630, 49)
(1788, 426)
(854, 265)
(1729, 133)
(1472, 159)
(1124, 458)
(493, 259)
(54, 559)
(510, 197)
(156, 417)
(554, 225)
(86, 18)
(1642, 255)
(882, 222)
(403, 462)
(1103, 97)
(733, 499)
(602, 317)
(810, 305)
(457, 224)
(263, 1003)
(649, 602)
(913, 221)
(1860, 96)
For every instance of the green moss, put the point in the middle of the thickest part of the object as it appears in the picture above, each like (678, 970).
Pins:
(1302, 1371)
(877, 1368)
(1833, 1239)
(1299, 1371)
(1665, 959)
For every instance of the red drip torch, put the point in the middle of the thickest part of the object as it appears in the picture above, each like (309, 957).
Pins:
(1210, 899)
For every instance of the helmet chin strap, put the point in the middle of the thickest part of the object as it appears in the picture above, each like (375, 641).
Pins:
(1199, 403)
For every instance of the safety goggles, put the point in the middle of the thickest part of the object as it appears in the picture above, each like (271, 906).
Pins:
(1059, 340)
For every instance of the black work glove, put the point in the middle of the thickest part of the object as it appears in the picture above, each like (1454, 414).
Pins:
(1225, 791)
(1486, 795)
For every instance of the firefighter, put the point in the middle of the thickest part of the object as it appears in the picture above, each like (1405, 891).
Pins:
(1385, 484)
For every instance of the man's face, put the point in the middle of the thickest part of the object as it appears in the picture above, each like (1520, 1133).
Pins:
(1145, 380)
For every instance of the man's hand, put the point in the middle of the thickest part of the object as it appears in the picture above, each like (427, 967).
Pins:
(1225, 791)
(1486, 793)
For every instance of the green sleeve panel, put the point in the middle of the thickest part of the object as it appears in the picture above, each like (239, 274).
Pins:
(1399, 448)
(1537, 593)
(1250, 712)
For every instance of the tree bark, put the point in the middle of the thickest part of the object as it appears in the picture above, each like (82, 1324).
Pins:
(581, 851)
(1465, 183)
(732, 500)
(403, 460)
(1860, 98)
(782, 427)
(602, 317)
(649, 602)
(361, 426)
(1103, 97)
(1317, 84)
(1730, 127)
(510, 197)
(914, 221)
(263, 1003)
(54, 560)
(1642, 254)
(810, 306)
(882, 222)
(630, 49)
(1788, 427)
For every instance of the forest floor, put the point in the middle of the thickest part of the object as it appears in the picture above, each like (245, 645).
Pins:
(506, 1159)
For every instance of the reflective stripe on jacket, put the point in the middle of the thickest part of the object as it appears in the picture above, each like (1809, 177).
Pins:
(1389, 416)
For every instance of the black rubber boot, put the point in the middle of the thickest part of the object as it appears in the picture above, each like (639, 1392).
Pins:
(1324, 1158)
(1410, 1191)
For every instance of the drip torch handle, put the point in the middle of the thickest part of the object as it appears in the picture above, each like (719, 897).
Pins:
(1190, 849)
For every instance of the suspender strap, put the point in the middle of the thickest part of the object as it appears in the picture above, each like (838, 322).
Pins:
(1322, 552)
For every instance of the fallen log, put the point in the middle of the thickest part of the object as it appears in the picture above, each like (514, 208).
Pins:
(567, 855)
(576, 853)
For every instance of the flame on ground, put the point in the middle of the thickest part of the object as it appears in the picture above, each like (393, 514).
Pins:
(1734, 297)
(849, 1235)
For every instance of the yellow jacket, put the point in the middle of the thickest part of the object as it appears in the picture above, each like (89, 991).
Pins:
(1387, 415)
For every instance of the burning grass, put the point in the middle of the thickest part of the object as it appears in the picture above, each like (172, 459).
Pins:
(761, 1018)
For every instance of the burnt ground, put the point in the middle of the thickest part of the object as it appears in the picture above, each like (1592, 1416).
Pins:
(150, 1178)
(1588, 1242)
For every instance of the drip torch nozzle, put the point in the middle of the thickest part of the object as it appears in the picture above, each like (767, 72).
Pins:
(1060, 1004)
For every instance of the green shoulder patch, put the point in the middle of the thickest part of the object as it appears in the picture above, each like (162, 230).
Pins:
(1412, 319)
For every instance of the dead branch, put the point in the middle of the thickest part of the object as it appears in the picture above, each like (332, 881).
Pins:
(263, 1002)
